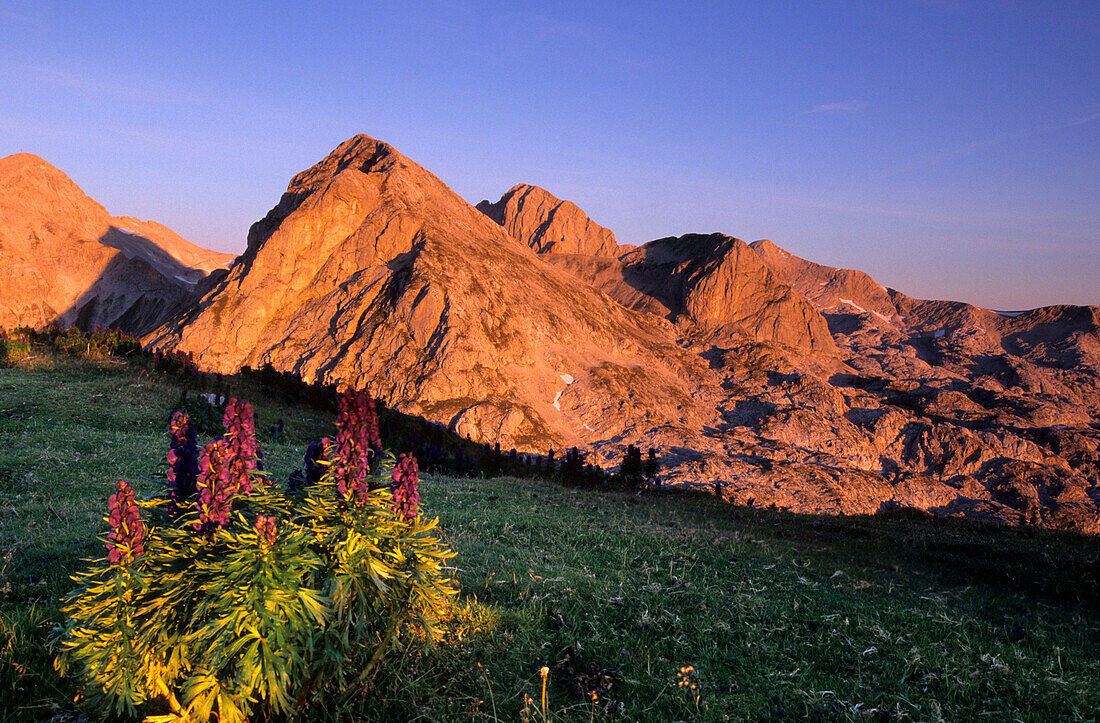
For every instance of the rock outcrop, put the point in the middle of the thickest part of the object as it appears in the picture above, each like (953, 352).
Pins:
(710, 285)
(830, 288)
(65, 260)
(761, 377)
(549, 225)
(372, 272)
(965, 410)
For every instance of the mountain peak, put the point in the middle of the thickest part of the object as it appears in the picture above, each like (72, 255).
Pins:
(766, 245)
(549, 225)
(372, 272)
(360, 153)
(20, 161)
(66, 260)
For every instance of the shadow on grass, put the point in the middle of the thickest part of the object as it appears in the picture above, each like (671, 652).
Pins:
(1050, 566)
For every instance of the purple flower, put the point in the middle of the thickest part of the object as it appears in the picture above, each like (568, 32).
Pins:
(374, 439)
(265, 529)
(406, 497)
(315, 452)
(216, 486)
(240, 438)
(183, 462)
(126, 541)
(315, 455)
(352, 451)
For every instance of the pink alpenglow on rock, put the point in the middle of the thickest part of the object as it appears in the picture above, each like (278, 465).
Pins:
(240, 439)
(406, 497)
(216, 487)
(65, 259)
(126, 541)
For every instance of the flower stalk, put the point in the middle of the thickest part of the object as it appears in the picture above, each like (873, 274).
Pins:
(126, 540)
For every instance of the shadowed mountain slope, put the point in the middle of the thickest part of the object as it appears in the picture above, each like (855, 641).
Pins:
(66, 260)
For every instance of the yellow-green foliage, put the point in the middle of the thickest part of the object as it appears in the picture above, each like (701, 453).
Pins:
(245, 623)
(13, 351)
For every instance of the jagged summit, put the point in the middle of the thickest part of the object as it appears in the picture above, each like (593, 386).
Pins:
(548, 224)
(712, 286)
(829, 288)
(758, 375)
(372, 272)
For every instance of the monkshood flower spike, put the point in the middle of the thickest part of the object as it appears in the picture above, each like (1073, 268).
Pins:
(126, 541)
(265, 530)
(352, 451)
(240, 438)
(216, 486)
(406, 496)
(183, 463)
(315, 454)
(370, 415)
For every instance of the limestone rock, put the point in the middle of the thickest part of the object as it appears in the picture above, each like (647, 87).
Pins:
(549, 225)
(370, 271)
(827, 287)
(760, 377)
(1000, 407)
(710, 283)
(64, 259)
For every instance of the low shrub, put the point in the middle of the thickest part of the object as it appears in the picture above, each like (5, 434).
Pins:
(98, 344)
(235, 600)
(176, 363)
(13, 349)
(205, 415)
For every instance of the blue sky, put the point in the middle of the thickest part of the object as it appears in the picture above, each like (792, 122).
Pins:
(950, 149)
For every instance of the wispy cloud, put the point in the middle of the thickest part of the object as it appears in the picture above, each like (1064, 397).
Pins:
(1076, 121)
(847, 106)
(972, 147)
(140, 91)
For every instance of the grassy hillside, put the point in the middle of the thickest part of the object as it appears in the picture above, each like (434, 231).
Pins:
(633, 598)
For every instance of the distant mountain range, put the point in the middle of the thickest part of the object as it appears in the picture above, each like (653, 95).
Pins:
(766, 378)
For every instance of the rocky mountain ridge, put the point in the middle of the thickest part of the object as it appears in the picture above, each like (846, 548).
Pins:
(712, 286)
(68, 261)
(549, 225)
(371, 272)
(759, 376)
(935, 405)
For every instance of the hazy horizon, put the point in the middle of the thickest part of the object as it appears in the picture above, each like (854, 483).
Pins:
(948, 149)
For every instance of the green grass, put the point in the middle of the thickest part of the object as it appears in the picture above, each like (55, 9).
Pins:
(778, 615)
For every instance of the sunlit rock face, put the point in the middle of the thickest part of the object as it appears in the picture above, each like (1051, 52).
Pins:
(762, 377)
(372, 272)
(713, 287)
(966, 410)
(549, 225)
(65, 260)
